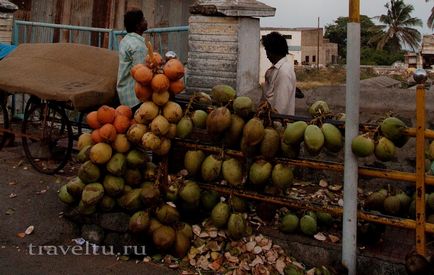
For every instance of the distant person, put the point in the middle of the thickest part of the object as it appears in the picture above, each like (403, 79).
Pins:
(279, 87)
(132, 51)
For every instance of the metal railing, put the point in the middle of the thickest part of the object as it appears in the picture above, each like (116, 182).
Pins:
(31, 32)
(40, 32)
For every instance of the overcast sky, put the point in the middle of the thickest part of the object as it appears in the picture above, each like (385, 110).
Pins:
(305, 13)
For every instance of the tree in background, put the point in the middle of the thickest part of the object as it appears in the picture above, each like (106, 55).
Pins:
(337, 33)
(369, 55)
(430, 20)
(397, 26)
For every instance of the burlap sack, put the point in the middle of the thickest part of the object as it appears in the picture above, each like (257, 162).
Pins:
(81, 75)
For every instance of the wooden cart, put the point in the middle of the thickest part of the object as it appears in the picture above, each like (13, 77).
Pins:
(58, 78)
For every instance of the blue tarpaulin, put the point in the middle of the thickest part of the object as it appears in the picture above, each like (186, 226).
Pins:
(5, 50)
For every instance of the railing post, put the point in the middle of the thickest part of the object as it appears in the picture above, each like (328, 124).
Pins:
(420, 77)
(349, 221)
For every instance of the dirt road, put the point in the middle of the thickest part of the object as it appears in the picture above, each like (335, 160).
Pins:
(30, 198)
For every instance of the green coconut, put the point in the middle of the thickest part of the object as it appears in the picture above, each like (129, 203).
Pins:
(384, 149)
(375, 201)
(282, 176)
(324, 218)
(203, 98)
(113, 186)
(83, 155)
(341, 116)
(238, 204)
(222, 94)
(294, 133)
(133, 177)
(107, 203)
(164, 237)
(236, 226)
(185, 229)
(220, 214)
(190, 192)
(184, 127)
(289, 223)
(431, 150)
(218, 121)
(332, 137)
(117, 164)
(313, 139)
(150, 194)
(243, 106)
(199, 119)
(319, 108)
(92, 194)
(209, 199)
(362, 146)
(131, 201)
(154, 224)
(182, 245)
(253, 132)
(430, 201)
(392, 205)
(75, 187)
(232, 172)
(293, 270)
(89, 172)
(260, 172)
(211, 168)
(270, 144)
(136, 158)
(167, 214)
(235, 131)
(404, 199)
(64, 196)
(193, 161)
(84, 209)
(392, 128)
(139, 222)
(308, 225)
(127, 189)
(150, 172)
(290, 151)
(171, 192)
(247, 149)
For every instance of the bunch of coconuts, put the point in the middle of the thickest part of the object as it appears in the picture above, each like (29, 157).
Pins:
(212, 168)
(307, 224)
(383, 142)
(128, 183)
(396, 203)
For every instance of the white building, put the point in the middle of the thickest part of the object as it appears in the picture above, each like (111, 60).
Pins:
(304, 45)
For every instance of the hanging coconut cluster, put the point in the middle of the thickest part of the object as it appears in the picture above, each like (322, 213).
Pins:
(157, 81)
(307, 223)
(398, 203)
(383, 141)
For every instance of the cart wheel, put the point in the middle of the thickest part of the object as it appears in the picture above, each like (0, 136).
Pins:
(47, 146)
(4, 122)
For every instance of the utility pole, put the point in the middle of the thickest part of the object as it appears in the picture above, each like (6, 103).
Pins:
(317, 49)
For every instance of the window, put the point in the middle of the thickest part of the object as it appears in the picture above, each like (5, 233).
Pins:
(313, 58)
(306, 58)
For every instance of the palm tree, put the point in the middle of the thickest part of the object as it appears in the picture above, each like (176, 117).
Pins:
(431, 17)
(397, 26)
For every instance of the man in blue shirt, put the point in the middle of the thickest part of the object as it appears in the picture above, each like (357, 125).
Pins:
(132, 51)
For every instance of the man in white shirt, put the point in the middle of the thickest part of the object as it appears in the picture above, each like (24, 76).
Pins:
(279, 87)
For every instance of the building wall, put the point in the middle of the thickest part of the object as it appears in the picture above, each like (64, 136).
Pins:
(106, 14)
